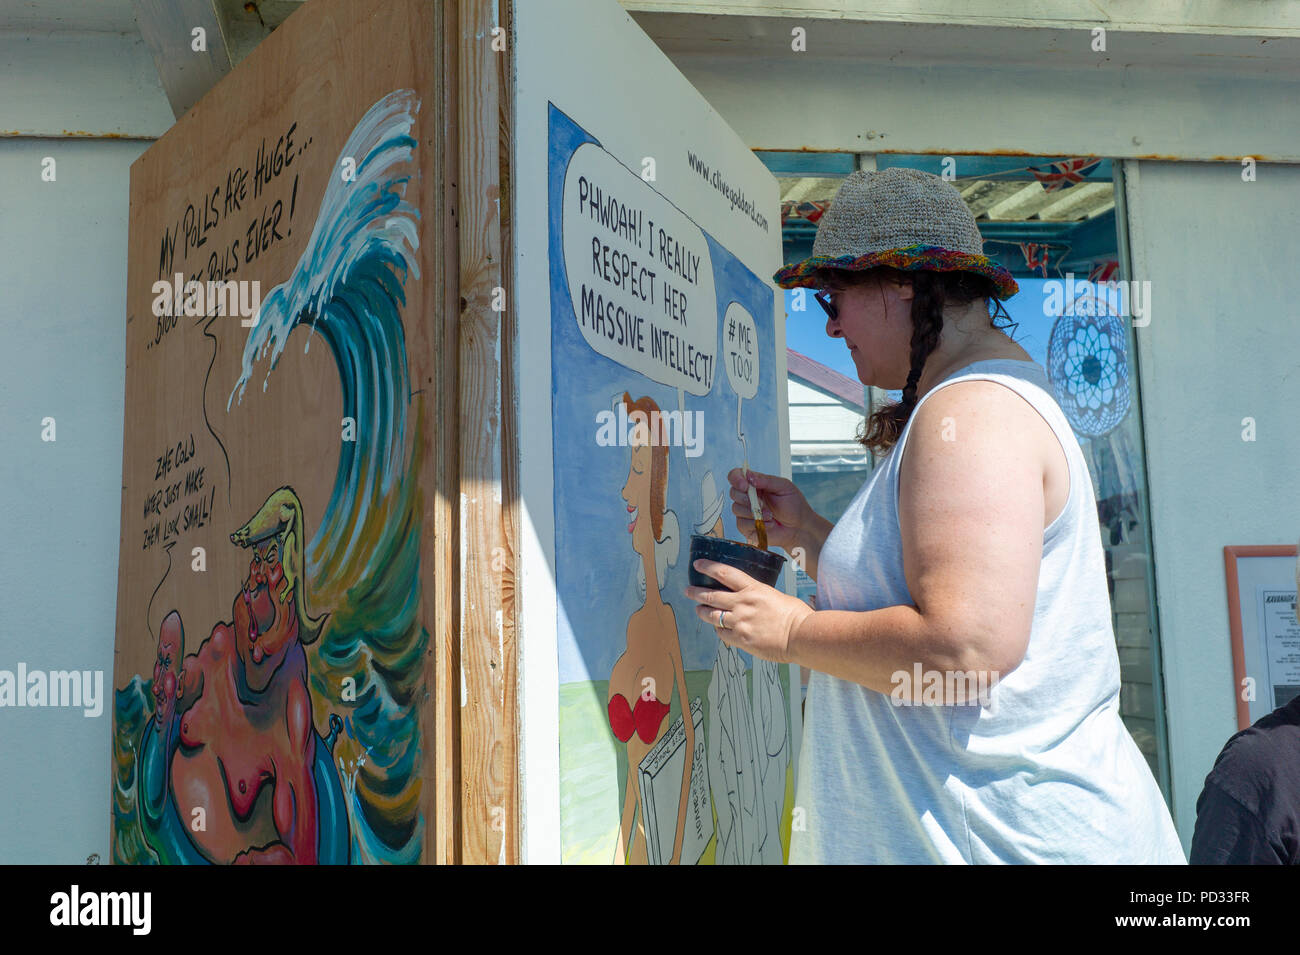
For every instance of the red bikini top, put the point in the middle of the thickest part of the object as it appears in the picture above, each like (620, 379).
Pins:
(643, 719)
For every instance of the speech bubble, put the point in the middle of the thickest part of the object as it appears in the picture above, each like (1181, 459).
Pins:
(640, 276)
(740, 350)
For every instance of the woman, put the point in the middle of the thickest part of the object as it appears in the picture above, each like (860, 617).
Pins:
(964, 700)
(641, 684)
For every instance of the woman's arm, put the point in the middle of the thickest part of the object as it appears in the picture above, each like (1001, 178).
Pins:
(971, 511)
(811, 538)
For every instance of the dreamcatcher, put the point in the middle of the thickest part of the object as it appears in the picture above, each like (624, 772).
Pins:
(1087, 363)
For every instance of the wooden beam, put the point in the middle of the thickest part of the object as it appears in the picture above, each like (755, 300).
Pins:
(512, 849)
(167, 27)
(488, 791)
(1156, 16)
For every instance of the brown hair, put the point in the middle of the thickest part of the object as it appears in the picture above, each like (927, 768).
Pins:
(658, 457)
(881, 429)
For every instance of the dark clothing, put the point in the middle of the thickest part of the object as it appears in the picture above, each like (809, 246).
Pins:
(1249, 811)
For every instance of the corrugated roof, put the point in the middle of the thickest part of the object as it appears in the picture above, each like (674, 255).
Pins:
(829, 380)
(990, 200)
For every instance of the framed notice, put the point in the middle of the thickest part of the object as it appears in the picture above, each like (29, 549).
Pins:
(1262, 583)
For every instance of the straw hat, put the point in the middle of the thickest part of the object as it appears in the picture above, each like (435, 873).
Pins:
(898, 217)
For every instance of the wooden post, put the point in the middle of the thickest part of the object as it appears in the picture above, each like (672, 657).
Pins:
(486, 812)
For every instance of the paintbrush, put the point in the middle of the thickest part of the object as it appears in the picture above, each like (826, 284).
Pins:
(757, 510)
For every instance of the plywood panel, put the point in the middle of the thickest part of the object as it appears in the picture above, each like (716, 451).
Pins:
(276, 599)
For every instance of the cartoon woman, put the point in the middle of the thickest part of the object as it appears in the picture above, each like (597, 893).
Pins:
(641, 684)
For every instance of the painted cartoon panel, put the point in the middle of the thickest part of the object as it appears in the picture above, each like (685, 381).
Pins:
(674, 748)
(271, 628)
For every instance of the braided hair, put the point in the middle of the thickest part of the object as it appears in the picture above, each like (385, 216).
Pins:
(881, 429)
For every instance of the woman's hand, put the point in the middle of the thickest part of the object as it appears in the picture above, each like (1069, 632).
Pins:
(785, 509)
(790, 521)
(759, 619)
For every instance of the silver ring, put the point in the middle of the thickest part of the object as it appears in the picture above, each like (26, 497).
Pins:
(721, 617)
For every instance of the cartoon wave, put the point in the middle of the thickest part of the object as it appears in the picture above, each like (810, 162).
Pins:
(363, 561)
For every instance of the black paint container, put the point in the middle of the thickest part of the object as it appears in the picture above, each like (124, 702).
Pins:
(762, 565)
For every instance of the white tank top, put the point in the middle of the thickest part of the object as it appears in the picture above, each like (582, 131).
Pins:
(1046, 774)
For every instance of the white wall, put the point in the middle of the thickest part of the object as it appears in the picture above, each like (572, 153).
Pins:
(1223, 345)
(62, 355)
(78, 84)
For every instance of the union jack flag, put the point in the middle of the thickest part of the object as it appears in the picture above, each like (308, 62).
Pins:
(1104, 271)
(1066, 173)
(1036, 256)
(808, 210)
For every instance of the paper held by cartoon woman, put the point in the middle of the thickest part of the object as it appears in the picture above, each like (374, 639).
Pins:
(659, 778)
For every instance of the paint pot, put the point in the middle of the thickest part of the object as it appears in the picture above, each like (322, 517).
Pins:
(762, 565)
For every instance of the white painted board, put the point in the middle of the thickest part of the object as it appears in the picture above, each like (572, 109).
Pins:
(620, 169)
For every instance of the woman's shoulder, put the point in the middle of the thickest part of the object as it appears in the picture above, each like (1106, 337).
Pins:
(1020, 427)
(979, 399)
(1003, 382)
(1000, 419)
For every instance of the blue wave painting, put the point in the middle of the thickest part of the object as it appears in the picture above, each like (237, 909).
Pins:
(363, 559)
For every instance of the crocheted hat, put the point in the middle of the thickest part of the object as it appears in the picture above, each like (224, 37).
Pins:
(898, 217)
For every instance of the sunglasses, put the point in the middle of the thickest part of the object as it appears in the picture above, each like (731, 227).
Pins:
(824, 300)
